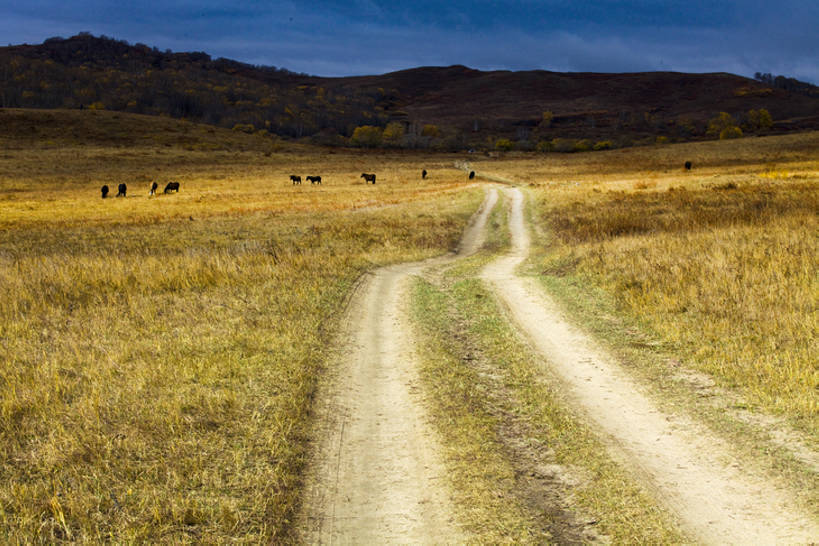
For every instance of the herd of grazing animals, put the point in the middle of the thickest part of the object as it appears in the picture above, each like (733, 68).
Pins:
(122, 189)
(294, 178)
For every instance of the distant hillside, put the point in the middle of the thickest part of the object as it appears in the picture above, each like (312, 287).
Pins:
(450, 108)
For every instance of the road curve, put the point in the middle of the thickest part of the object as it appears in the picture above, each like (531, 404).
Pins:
(686, 467)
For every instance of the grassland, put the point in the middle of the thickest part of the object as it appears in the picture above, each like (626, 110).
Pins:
(715, 266)
(525, 469)
(703, 282)
(158, 355)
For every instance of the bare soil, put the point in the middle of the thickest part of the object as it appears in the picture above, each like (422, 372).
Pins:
(377, 476)
(688, 468)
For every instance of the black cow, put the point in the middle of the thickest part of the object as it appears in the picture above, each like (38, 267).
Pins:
(471, 175)
(121, 189)
(688, 165)
(154, 186)
(296, 179)
(368, 177)
(314, 179)
(171, 186)
(104, 191)
(424, 174)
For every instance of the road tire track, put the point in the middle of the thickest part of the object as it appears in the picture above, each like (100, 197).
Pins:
(687, 468)
(377, 476)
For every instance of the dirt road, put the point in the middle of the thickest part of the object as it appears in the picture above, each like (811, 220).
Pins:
(687, 467)
(377, 477)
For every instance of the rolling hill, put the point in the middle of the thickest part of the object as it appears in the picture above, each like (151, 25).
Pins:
(468, 108)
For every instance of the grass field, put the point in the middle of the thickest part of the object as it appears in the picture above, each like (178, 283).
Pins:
(718, 264)
(159, 355)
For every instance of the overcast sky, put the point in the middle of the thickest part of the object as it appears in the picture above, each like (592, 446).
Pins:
(336, 38)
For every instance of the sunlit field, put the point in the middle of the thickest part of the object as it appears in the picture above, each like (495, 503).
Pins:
(159, 355)
(719, 263)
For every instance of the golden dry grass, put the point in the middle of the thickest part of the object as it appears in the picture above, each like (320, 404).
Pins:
(719, 262)
(158, 356)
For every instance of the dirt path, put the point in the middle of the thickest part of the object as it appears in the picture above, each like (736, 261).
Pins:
(377, 477)
(687, 468)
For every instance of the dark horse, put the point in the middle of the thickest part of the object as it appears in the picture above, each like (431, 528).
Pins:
(104, 191)
(154, 186)
(471, 175)
(121, 189)
(296, 179)
(172, 186)
(424, 174)
(314, 179)
(368, 177)
(688, 165)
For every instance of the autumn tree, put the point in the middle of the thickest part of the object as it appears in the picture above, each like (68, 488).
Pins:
(503, 144)
(759, 120)
(430, 130)
(367, 136)
(393, 134)
(720, 123)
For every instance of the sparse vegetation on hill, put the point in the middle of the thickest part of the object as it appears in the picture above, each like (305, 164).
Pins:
(452, 108)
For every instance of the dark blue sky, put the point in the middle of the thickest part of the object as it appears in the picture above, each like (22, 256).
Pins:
(333, 38)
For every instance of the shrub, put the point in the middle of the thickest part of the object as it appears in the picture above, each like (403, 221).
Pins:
(661, 140)
(759, 119)
(544, 146)
(546, 120)
(730, 132)
(366, 136)
(393, 134)
(430, 130)
(603, 145)
(720, 122)
(503, 144)
(583, 145)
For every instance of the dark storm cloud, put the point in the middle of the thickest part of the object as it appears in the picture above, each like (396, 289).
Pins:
(374, 36)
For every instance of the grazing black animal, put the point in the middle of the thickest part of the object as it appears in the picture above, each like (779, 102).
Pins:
(424, 174)
(368, 177)
(171, 186)
(688, 165)
(471, 175)
(314, 179)
(121, 189)
(154, 186)
(296, 179)
(104, 191)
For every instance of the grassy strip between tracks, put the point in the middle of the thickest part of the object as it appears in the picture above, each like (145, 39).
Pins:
(522, 467)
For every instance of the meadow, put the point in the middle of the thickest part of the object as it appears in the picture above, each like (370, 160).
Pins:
(716, 265)
(158, 355)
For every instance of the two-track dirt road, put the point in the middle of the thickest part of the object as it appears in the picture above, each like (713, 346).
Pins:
(378, 477)
(688, 468)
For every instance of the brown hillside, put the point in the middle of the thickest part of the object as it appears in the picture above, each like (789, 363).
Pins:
(470, 107)
(584, 102)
